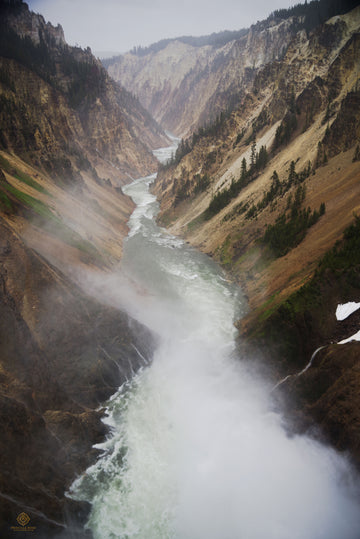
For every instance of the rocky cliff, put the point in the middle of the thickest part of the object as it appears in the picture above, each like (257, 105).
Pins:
(69, 135)
(186, 85)
(270, 187)
(69, 138)
(63, 106)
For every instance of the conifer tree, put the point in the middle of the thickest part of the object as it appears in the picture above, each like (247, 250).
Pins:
(243, 169)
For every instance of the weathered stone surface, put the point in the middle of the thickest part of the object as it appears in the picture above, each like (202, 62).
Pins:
(183, 86)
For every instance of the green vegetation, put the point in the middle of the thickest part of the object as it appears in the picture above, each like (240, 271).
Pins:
(343, 258)
(239, 209)
(291, 330)
(285, 129)
(88, 79)
(5, 202)
(316, 12)
(36, 205)
(269, 306)
(290, 229)
(213, 129)
(275, 190)
(183, 189)
(201, 183)
(22, 176)
(345, 255)
(216, 39)
(279, 188)
(49, 221)
(37, 58)
(183, 149)
(195, 223)
(224, 252)
(288, 124)
(258, 161)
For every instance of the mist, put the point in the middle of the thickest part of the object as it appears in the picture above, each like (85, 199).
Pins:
(196, 449)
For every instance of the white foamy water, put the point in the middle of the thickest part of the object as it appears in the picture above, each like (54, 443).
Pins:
(196, 451)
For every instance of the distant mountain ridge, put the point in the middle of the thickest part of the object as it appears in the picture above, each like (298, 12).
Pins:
(187, 82)
(185, 86)
(310, 94)
(216, 39)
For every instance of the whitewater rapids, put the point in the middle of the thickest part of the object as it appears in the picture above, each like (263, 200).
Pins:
(196, 451)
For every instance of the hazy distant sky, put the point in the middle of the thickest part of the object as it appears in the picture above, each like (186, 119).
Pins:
(119, 25)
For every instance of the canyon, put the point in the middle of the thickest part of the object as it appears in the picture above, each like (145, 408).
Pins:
(285, 128)
(270, 125)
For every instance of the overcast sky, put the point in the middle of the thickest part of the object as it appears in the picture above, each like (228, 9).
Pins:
(119, 25)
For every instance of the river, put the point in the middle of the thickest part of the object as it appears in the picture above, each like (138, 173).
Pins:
(196, 450)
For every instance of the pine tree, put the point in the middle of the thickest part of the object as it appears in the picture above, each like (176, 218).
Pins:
(253, 155)
(292, 174)
(243, 169)
(262, 158)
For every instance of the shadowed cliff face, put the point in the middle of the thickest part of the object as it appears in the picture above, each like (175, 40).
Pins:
(324, 400)
(62, 354)
(69, 138)
(61, 110)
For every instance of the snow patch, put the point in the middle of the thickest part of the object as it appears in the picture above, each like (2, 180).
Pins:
(345, 310)
(355, 337)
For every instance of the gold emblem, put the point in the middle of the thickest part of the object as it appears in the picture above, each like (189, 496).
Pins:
(23, 519)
